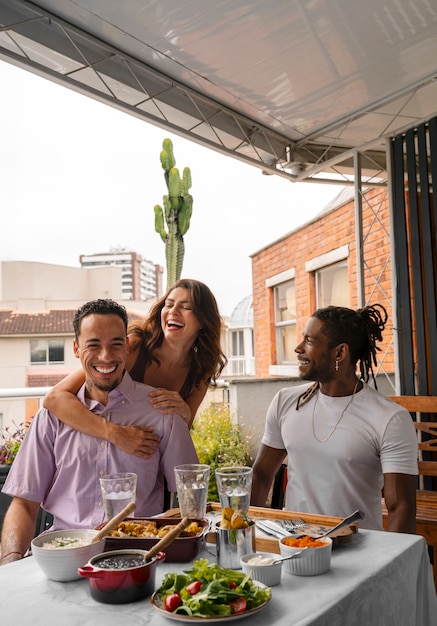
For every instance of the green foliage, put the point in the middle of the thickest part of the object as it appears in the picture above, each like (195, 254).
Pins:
(10, 442)
(219, 442)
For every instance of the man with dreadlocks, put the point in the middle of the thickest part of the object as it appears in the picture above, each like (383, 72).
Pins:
(345, 441)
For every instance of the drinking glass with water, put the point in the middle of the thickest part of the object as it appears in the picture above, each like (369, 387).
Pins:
(192, 488)
(118, 490)
(234, 485)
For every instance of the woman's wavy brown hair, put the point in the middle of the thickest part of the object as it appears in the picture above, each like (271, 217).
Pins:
(207, 358)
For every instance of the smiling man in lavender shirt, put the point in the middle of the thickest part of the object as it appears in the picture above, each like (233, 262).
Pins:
(59, 467)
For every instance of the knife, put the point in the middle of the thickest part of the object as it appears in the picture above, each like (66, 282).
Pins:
(269, 530)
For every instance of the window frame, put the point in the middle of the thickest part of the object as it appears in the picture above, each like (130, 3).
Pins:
(238, 334)
(323, 272)
(286, 368)
(283, 325)
(333, 257)
(47, 349)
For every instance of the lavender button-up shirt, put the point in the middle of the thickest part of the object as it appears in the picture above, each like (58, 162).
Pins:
(60, 467)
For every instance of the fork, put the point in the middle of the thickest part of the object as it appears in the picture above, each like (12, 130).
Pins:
(294, 523)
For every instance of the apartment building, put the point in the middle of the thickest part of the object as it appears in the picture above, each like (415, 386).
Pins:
(141, 279)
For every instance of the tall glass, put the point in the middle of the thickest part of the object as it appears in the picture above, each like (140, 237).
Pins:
(192, 488)
(118, 490)
(234, 485)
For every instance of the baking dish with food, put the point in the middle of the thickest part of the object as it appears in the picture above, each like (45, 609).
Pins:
(183, 549)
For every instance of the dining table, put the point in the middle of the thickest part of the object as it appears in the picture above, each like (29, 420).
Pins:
(378, 578)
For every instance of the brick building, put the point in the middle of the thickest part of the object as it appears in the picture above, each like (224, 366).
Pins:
(314, 266)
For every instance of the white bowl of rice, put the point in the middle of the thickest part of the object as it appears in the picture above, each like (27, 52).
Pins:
(59, 553)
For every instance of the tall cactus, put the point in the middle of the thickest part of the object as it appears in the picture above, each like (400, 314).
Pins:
(178, 206)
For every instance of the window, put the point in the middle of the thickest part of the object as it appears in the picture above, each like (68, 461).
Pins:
(46, 351)
(285, 321)
(332, 285)
(237, 343)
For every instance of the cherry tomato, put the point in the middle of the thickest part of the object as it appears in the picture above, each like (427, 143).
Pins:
(172, 602)
(231, 584)
(238, 605)
(194, 587)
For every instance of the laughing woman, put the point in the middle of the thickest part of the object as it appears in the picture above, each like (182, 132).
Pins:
(176, 349)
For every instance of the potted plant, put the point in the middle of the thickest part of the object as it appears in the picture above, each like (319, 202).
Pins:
(10, 442)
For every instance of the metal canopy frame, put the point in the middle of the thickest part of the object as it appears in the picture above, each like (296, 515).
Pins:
(37, 40)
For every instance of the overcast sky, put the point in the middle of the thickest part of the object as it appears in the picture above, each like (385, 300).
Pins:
(79, 177)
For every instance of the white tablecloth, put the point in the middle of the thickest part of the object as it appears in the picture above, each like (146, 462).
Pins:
(380, 579)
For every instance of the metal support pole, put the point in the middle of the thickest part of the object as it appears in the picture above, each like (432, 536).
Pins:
(359, 230)
(393, 269)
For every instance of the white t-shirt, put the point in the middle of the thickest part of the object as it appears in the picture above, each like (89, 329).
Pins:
(375, 436)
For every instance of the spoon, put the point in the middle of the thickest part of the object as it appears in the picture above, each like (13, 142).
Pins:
(290, 556)
(355, 517)
(114, 522)
(279, 559)
(167, 539)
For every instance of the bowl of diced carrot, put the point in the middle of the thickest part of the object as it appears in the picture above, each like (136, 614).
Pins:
(314, 559)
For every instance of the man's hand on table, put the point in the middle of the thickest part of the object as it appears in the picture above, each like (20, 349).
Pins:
(10, 557)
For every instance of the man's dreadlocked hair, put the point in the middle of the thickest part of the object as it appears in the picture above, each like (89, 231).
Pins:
(360, 329)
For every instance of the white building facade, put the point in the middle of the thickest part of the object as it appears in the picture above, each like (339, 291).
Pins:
(37, 305)
(241, 359)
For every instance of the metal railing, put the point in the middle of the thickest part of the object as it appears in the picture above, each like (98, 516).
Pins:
(23, 392)
(240, 366)
(19, 393)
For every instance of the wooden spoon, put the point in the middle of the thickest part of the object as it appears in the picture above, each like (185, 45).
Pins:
(167, 539)
(114, 522)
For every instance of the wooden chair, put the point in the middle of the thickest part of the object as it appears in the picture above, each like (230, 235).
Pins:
(426, 495)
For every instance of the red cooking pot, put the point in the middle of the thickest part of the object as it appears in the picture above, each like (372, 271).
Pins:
(121, 576)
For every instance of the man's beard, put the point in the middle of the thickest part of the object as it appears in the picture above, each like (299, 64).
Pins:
(317, 374)
(101, 386)
(108, 387)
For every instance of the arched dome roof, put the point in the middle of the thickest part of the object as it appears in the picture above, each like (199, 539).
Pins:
(242, 315)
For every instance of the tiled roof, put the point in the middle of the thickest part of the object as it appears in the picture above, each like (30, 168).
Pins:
(44, 323)
(53, 322)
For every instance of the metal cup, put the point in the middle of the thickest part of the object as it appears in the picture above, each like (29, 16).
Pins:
(232, 544)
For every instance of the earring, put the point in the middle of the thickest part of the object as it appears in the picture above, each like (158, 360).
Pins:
(336, 366)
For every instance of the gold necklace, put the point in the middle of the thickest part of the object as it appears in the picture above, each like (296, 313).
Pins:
(339, 419)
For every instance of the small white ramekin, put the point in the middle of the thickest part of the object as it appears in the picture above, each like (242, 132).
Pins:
(269, 575)
(311, 562)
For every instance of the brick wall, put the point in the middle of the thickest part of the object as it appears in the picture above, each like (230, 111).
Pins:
(44, 379)
(330, 231)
